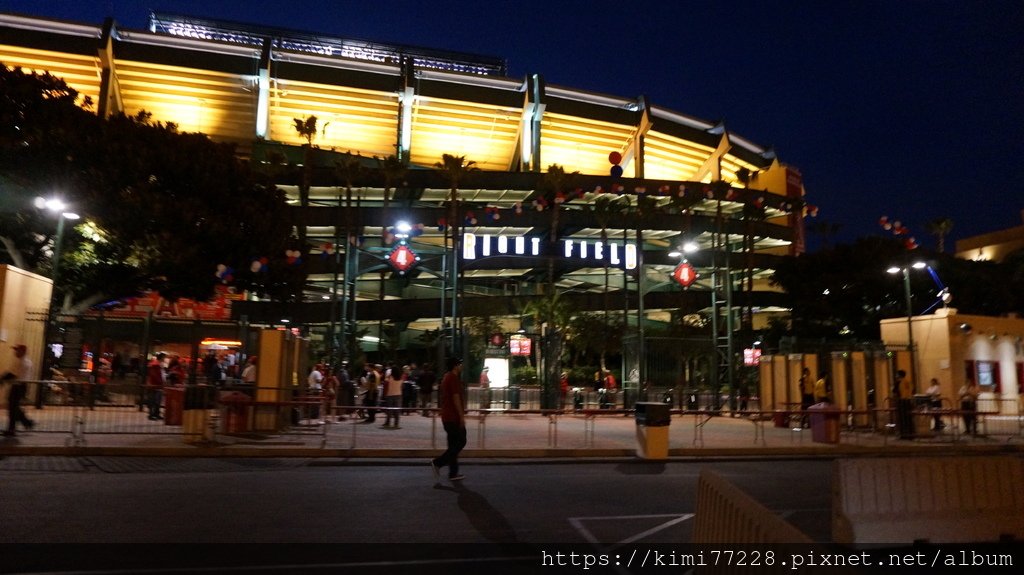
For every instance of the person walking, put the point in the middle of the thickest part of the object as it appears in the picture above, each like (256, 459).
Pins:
(393, 396)
(453, 418)
(19, 377)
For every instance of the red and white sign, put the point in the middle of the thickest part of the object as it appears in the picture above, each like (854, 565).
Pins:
(684, 274)
(519, 345)
(218, 308)
(752, 356)
(402, 258)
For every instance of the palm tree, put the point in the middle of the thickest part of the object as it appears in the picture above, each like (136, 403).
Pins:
(940, 228)
(554, 185)
(605, 208)
(455, 169)
(349, 169)
(555, 315)
(307, 129)
(393, 171)
(827, 231)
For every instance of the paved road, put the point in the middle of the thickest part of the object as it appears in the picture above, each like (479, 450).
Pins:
(381, 509)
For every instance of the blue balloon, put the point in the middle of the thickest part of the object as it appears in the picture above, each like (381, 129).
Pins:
(616, 171)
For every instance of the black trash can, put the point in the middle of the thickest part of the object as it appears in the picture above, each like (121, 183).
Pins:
(513, 397)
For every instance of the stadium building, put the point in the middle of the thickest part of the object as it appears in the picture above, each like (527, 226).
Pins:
(641, 182)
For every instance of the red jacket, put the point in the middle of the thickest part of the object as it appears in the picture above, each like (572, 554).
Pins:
(154, 374)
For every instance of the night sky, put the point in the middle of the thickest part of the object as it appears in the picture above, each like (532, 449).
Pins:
(912, 109)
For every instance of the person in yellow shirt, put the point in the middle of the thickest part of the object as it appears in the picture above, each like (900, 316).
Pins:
(904, 404)
(821, 388)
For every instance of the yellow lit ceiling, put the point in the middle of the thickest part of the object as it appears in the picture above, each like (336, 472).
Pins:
(583, 145)
(352, 120)
(484, 133)
(220, 105)
(80, 72)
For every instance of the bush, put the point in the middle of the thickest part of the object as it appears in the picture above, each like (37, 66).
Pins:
(525, 375)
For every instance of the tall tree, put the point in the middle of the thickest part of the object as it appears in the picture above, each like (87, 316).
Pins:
(305, 127)
(455, 169)
(160, 209)
(940, 228)
(555, 188)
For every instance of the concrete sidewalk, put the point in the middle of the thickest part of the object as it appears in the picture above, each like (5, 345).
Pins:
(491, 434)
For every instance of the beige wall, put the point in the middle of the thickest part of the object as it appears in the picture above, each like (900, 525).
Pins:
(943, 350)
(24, 301)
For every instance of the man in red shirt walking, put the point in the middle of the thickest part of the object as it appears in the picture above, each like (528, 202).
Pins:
(453, 417)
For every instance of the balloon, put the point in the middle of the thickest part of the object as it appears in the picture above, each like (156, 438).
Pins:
(616, 171)
(614, 158)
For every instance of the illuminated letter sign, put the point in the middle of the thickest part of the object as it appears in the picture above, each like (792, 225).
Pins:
(618, 255)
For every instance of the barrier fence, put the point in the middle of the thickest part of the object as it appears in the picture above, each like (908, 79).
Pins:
(233, 415)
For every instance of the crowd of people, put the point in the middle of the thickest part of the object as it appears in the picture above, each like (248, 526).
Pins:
(400, 388)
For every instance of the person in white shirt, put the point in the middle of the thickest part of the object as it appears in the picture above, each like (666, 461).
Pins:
(315, 379)
(21, 375)
(393, 395)
(249, 373)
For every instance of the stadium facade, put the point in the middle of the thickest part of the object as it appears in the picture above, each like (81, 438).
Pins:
(644, 180)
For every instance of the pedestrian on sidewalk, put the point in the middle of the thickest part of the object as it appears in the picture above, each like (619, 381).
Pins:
(19, 377)
(453, 418)
(156, 377)
(372, 395)
(426, 387)
(904, 404)
(806, 397)
(969, 406)
(393, 395)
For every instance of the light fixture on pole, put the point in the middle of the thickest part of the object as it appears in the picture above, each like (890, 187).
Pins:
(910, 314)
(58, 207)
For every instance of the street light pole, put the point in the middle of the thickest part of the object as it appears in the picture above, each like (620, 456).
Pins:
(910, 315)
(57, 206)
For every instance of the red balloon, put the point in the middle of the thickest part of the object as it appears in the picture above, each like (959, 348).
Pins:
(615, 158)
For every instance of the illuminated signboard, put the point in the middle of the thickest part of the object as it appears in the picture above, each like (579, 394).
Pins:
(684, 274)
(485, 245)
(519, 345)
(402, 258)
(752, 356)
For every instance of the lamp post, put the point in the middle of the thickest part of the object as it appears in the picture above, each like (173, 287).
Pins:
(910, 314)
(57, 206)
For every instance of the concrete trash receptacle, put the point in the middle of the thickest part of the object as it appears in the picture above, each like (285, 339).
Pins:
(174, 400)
(237, 410)
(652, 422)
(780, 418)
(196, 416)
(824, 423)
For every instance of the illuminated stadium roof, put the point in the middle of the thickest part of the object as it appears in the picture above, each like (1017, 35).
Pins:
(247, 84)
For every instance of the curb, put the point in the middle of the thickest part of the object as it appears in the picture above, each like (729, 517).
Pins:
(509, 454)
